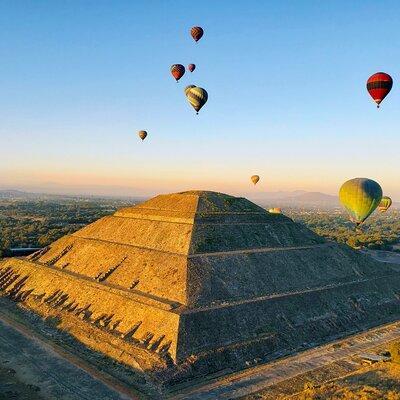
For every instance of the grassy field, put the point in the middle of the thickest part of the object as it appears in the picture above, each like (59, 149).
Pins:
(380, 381)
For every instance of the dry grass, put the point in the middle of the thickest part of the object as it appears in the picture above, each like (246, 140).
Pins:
(378, 382)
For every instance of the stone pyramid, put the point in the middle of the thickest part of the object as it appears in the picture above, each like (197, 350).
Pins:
(206, 276)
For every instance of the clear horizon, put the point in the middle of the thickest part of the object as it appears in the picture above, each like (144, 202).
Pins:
(286, 83)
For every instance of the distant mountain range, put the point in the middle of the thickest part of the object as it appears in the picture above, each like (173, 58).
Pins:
(269, 199)
(11, 194)
(297, 197)
(313, 197)
(15, 194)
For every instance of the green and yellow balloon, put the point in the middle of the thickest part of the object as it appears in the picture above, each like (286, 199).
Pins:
(360, 197)
(385, 204)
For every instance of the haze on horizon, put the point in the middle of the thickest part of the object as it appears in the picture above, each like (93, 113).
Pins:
(286, 84)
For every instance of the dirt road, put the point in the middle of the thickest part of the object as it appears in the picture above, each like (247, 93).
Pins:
(264, 376)
(36, 364)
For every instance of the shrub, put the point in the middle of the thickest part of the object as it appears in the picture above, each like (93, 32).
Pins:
(394, 350)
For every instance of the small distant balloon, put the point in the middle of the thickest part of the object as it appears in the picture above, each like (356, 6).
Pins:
(197, 32)
(197, 97)
(255, 179)
(177, 71)
(360, 197)
(142, 134)
(191, 67)
(379, 85)
(385, 204)
(275, 210)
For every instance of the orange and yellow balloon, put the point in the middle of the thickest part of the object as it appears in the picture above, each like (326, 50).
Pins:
(255, 179)
(275, 210)
(142, 134)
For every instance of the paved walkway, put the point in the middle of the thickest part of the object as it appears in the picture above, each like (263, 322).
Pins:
(264, 376)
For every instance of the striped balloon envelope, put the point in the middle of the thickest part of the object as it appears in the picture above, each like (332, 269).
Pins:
(379, 85)
(197, 32)
(177, 71)
(187, 88)
(197, 97)
(385, 204)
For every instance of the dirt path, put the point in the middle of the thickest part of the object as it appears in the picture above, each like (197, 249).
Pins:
(264, 376)
(58, 375)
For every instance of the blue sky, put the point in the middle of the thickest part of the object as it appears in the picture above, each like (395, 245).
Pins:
(286, 84)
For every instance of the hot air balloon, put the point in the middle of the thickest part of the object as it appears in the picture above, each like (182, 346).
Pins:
(385, 204)
(191, 67)
(275, 210)
(177, 71)
(197, 32)
(197, 97)
(142, 134)
(188, 87)
(379, 86)
(255, 179)
(360, 197)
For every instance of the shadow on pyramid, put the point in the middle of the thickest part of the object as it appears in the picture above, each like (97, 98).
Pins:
(202, 281)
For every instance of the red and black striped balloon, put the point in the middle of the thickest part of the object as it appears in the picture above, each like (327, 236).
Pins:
(197, 33)
(379, 86)
(177, 71)
(191, 67)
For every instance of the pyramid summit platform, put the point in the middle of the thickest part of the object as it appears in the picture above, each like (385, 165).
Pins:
(202, 280)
